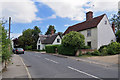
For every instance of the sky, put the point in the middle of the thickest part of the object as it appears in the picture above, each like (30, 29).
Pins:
(60, 13)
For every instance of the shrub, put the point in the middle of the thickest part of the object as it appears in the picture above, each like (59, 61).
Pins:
(74, 39)
(104, 51)
(100, 49)
(113, 48)
(88, 53)
(51, 48)
(28, 47)
(70, 51)
(96, 53)
(86, 47)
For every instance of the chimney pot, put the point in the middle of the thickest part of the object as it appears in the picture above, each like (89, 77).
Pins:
(89, 15)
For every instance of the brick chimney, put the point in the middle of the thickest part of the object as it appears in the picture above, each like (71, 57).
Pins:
(89, 15)
(52, 31)
(113, 27)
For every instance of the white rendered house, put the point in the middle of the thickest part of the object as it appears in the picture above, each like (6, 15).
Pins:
(97, 31)
(43, 40)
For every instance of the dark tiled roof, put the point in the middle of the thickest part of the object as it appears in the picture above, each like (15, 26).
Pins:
(85, 25)
(48, 39)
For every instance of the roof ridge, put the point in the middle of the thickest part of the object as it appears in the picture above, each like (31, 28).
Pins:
(86, 21)
(85, 24)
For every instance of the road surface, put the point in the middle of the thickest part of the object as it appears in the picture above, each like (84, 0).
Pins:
(49, 66)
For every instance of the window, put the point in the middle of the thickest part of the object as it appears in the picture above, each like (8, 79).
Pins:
(88, 33)
(89, 44)
(105, 22)
(58, 40)
(39, 41)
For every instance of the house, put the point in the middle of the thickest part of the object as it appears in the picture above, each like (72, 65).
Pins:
(43, 40)
(97, 31)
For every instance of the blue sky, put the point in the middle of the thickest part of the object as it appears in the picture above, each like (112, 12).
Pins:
(62, 14)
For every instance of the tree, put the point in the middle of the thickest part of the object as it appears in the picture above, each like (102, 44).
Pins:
(29, 38)
(118, 36)
(35, 36)
(51, 27)
(116, 20)
(74, 39)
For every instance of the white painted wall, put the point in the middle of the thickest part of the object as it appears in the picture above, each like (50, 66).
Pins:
(92, 38)
(105, 33)
(55, 41)
(42, 46)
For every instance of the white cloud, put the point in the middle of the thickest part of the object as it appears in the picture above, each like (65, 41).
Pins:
(22, 11)
(74, 10)
(52, 17)
(15, 35)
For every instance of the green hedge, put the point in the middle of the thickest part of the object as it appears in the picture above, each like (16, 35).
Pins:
(70, 51)
(51, 48)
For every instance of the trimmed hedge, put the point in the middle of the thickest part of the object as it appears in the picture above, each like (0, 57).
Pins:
(51, 48)
(70, 51)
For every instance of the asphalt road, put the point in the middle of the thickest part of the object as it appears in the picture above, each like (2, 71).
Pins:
(49, 66)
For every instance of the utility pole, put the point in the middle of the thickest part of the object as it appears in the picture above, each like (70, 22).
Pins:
(9, 26)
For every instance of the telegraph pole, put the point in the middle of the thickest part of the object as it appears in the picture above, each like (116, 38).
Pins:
(9, 26)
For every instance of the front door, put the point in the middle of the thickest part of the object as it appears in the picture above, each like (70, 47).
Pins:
(39, 47)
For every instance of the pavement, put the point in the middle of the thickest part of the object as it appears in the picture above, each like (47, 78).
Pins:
(15, 69)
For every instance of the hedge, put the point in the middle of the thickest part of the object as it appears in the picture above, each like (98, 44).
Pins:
(70, 51)
(51, 48)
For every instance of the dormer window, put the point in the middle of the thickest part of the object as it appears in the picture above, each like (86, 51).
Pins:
(39, 41)
(105, 22)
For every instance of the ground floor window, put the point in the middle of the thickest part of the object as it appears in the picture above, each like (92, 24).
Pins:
(38, 46)
(89, 43)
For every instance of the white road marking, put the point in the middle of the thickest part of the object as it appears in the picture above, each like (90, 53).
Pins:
(29, 76)
(84, 72)
(51, 60)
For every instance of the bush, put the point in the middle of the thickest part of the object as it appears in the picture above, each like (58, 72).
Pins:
(28, 47)
(104, 51)
(96, 53)
(113, 48)
(70, 51)
(74, 39)
(5, 45)
(86, 47)
(51, 48)
(100, 49)
(88, 53)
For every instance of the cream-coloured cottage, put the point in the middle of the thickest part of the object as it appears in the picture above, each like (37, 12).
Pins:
(97, 31)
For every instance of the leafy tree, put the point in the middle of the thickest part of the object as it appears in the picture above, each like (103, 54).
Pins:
(29, 38)
(74, 39)
(35, 36)
(116, 20)
(51, 27)
(118, 36)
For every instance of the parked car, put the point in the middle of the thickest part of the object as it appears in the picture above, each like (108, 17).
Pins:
(19, 51)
